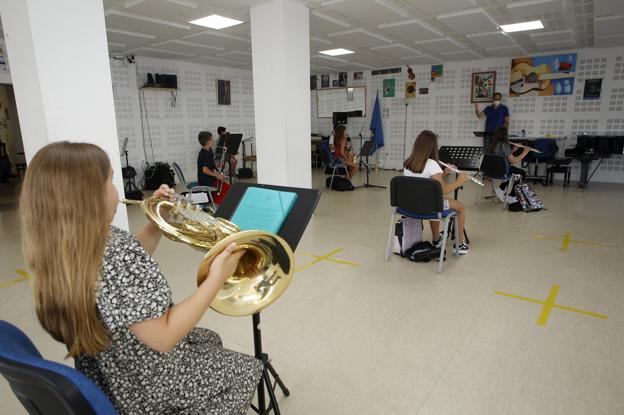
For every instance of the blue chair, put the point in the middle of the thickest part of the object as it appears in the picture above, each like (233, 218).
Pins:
(194, 187)
(422, 199)
(46, 387)
(327, 162)
(492, 168)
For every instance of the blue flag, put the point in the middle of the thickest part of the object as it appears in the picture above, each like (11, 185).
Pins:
(376, 127)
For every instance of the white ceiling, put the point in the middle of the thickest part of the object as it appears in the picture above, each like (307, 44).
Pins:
(383, 33)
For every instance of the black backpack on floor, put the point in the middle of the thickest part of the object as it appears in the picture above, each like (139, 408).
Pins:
(339, 184)
(422, 251)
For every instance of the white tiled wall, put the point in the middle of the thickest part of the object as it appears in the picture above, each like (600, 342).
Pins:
(447, 109)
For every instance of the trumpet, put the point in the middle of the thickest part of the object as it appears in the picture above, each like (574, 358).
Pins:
(523, 146)
(460, 172)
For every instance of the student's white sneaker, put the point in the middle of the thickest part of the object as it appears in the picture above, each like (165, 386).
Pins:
(500, 195)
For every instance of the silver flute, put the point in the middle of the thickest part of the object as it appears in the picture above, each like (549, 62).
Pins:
(523, 146)
(460, 172)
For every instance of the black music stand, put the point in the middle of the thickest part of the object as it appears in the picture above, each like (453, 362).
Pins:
(291, 231)
(467, 158)
(365, 153)
(231, 149)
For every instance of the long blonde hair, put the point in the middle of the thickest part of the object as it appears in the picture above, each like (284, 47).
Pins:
(64, 231)
(425, 147)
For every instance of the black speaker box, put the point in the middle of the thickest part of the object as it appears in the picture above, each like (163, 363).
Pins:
(157, 174)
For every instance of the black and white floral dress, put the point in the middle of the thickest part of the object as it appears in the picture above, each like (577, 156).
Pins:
(198, 376)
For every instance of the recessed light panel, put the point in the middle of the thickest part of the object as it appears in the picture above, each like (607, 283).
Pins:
(336, 52)
(215, 21)
(520, 27)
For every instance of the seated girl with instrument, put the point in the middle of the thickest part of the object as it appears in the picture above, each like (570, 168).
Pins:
(499, 145)
(423, 162)
(99, 291)
(341, 154)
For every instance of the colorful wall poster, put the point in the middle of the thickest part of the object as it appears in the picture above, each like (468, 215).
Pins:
(543, 75)
(436, 72)
(388, 88)
(410, 89)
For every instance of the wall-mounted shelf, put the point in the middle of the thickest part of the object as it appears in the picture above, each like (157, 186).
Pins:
(158, 88)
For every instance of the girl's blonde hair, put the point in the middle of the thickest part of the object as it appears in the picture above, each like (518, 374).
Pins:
(425, 147)
(65, 226)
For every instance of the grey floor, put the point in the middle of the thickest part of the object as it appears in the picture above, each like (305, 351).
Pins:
(356, 335)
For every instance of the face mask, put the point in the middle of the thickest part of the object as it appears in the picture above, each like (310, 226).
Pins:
(496, 103)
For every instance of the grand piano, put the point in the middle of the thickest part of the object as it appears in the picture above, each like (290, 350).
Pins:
(590, 148)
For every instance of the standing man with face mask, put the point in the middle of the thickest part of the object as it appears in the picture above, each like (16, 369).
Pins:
(497, 115)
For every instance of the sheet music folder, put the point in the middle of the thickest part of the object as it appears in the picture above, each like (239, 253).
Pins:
(263, 209)
(296, 221)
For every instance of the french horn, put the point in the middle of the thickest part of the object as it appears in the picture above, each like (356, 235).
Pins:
(264, 271)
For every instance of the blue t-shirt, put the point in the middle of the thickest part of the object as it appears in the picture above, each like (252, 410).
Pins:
(495, 117)
(205, 159)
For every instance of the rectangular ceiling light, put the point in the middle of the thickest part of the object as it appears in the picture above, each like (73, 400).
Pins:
(519, 27)
(336, 52)
(215, 21)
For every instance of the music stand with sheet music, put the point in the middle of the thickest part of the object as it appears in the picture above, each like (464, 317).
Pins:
(365, 153)
(291, 231)
(467, 158)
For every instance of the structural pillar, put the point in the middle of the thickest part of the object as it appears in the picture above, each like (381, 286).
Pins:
(58, 57)
(280, 41)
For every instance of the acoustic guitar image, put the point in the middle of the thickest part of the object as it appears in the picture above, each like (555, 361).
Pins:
(525, 78)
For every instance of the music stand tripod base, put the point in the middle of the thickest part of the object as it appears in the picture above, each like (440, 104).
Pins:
(365, 153)
(268, 371)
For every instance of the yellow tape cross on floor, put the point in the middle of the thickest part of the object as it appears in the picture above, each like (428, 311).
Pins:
(24, 277)
(566, 240)
(326, 257)
(549, 304)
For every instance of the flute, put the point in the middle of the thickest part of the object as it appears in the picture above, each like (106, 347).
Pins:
(523, 146)
(460, 172)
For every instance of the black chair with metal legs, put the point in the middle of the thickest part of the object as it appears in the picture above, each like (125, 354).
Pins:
(420, 198)
(492, 168)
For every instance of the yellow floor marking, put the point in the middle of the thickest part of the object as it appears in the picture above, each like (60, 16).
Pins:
(566, 240)
(24, 277)
(326, 257)
(549, 304)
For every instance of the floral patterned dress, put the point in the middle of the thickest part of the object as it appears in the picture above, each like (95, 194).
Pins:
(198, 376)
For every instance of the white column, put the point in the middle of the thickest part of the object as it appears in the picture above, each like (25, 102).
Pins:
(280, 40)
(61, 76)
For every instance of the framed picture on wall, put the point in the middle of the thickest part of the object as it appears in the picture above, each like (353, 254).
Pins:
(483, 86)
(223, 92)
(325, 81)
(592, 88)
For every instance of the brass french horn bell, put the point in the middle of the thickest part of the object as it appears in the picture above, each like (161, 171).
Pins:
(264, 271)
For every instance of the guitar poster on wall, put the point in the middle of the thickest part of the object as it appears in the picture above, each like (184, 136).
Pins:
(542, 75)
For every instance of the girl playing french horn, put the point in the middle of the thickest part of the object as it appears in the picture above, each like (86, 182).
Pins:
(99, 291)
